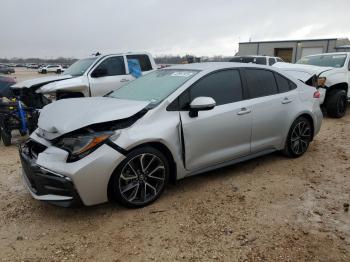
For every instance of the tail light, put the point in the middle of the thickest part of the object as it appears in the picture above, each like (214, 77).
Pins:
(317, 94)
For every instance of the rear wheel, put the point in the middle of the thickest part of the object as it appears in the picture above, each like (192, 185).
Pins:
(141, 178)
(336, 103)
(299, 138)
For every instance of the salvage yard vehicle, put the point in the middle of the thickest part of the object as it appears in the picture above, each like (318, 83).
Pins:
(166, 125)
(51, 69)
(4, 69)
(260, 60)
(92, 76)
(332, 71)
(14, 115)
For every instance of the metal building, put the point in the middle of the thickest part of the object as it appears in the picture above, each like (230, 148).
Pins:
(293, 50)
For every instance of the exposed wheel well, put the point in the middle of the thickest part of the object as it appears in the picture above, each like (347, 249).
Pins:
(340, 86)
(308, 117)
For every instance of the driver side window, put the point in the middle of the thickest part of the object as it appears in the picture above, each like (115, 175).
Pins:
(224, 87)
(112, 66)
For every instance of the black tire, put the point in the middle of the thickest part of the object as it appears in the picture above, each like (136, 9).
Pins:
(6, 137)
(58, 71)
(299, 138)
(131, 180)
(43, 71)
(336, 103)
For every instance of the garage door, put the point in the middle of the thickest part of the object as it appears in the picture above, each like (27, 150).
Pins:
(284, 53)
(305, 51)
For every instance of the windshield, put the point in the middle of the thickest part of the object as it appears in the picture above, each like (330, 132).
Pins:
(155, 86)
(324, 60)
(79, 67)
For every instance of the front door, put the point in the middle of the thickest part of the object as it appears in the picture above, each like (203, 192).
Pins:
(220, 134)
(112, 74)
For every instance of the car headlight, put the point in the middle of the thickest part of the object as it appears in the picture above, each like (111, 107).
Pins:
(80, 146)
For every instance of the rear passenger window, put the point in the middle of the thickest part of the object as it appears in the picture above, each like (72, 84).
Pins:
(144, 61)
(224, 87)
(260, 83)
(282, 83)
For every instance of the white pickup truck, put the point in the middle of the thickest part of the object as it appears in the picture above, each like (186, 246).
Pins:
(92, 76)
(330, 73)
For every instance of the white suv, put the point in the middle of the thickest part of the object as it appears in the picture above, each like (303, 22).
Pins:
(332, 73)
(260, 60)
(51, 69)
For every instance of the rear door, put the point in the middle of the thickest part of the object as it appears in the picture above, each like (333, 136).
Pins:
(270, 116)
(114, 76)
(220, 134)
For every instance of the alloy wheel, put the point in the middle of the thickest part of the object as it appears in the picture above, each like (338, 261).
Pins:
(142, 178)
(301, 137)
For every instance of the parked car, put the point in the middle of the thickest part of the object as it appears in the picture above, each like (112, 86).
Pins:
(4, 69)
(92, 76)
(5, 84)
(33, 66)
(167, 125)
(333, 73)
(260, 60)
(51, 69)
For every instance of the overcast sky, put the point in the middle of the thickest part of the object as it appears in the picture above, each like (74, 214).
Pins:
(76, 28)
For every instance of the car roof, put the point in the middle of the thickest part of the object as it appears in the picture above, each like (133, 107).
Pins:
(254, 56)
(209, 66)
(334, 53)
(120, 53)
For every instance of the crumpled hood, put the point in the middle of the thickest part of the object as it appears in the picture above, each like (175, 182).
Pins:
(67, 115)
(37, 82)
(300, 71)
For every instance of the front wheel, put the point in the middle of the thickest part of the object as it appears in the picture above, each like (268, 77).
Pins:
(299, 138)
(336, 103)
(141, 178)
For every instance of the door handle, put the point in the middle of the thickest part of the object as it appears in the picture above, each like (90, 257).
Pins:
(286, 100)
(244, 111)
(124, 80)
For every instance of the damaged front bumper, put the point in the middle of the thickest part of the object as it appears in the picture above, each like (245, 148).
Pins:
(49, 177)
(46, 185)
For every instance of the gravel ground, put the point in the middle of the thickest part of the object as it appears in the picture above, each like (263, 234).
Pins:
(268, 209)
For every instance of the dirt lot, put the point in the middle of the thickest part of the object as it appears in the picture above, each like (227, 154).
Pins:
(268, 209)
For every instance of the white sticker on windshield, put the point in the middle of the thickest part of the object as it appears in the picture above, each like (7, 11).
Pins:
(182, 74)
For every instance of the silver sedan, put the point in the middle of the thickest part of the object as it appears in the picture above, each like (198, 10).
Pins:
(167, 125)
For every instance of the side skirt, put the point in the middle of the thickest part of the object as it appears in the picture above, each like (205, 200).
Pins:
(231, 162)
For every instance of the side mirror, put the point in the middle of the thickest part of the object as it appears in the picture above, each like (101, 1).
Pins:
(201, 103)
(99, 72)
